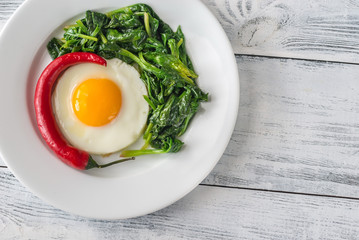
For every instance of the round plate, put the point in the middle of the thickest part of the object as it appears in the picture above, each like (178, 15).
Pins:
(132, 188)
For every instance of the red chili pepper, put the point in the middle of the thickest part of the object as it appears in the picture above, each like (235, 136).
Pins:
(44, 115)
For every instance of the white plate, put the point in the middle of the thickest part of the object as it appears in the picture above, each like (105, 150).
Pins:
(133, 188)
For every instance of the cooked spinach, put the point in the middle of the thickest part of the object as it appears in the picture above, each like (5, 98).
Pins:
(136, 35)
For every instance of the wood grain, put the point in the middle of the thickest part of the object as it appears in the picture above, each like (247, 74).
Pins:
(307, 29)
(7, 8)
(206, 213)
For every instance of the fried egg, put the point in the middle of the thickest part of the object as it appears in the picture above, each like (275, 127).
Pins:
(100, 109)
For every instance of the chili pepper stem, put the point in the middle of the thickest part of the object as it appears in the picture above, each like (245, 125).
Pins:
(93, 164)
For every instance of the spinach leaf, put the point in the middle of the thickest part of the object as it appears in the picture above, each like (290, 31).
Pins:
(123, 20)
(55, 49)
(133, 40)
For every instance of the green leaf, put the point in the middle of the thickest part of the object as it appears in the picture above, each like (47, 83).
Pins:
(124, 20)
(54, 48)
(136, 38)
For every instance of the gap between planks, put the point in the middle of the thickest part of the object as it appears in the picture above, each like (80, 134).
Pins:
(262, 190)
(295, 59)
(281, 192)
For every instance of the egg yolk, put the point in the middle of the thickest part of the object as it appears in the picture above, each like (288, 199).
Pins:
(96, 102)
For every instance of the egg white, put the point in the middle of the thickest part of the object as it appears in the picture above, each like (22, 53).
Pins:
(121, 131)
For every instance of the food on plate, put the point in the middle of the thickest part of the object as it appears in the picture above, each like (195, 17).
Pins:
(163, 104)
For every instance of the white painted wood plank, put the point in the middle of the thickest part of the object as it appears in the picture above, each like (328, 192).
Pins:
(297, 128)
(206, 213)
(308, 29)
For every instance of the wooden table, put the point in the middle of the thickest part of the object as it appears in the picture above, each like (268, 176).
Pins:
(291, 169)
